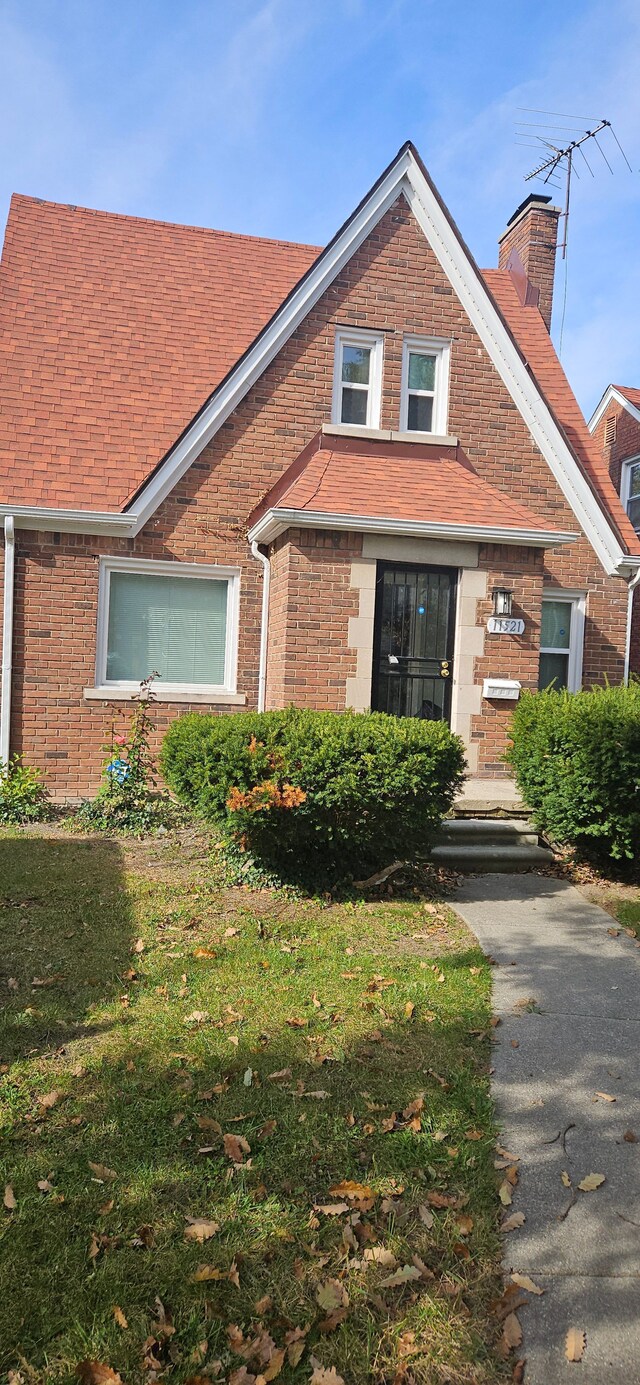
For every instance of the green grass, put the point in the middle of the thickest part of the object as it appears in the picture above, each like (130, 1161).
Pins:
(112, 1034)
(627, 911)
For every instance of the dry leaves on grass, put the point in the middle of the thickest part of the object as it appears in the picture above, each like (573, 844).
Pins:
(50, 1099)
(325, 1376)
(200, 1229)
(331, 1295)
(235, 1147)
(575, 1344)
(512, 1331)
(402, 1276)
(9, 1198)
(120, 1318)
(102, 1173)
(95, 1373)
(354, 1192)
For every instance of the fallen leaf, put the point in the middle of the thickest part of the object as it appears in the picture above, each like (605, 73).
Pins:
(204, 952)
(9, 1198)
(575, 1344)
(267, 1129)
(50, 1099)
(248, 1077)
(296, 1023)
(281, 1076)
(120, 1318)
(504, 1193)
(464, 1225)
(317, 1096)
(613, 933)
(44, 1186)
(517, 1375)
(263, 1305)
(379, 1255)
(474, 1134)
(200, 1229)
(356, 1192)
(332, 1320)
(565, 1178)
(94, 1373)
(512, 1331)
(604, 1096)
(331, 1294)
(401, 1276)
(322, 1376)
(196, 1017)
(441, 1200)
(511, 1223)
(235, 1147)
(206, 1272)
(630, 1137)
(409, 1009)
(426, 1215)
(102, 1173)
(524, 1282)
(331, 1209)
(591, 1182)
(138, 946)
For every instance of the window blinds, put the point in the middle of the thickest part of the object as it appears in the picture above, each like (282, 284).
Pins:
(174, 625)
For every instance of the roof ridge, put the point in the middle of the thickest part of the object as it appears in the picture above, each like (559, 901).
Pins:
(21, 198)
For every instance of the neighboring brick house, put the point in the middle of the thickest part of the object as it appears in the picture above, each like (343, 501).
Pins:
(278, 474)
(615, 426)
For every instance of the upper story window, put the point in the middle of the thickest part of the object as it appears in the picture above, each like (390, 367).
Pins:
(357, 385)
(630, 490)
(425, 385)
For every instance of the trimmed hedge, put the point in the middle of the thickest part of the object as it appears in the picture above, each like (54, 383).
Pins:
(576, 758)
(313, 795)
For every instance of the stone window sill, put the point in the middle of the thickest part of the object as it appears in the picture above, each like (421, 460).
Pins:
(224, 699)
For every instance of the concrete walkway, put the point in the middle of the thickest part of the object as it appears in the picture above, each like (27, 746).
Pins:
(568, 997)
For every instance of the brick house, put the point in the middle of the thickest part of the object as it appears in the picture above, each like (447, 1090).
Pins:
(347, 477)
(615, 426)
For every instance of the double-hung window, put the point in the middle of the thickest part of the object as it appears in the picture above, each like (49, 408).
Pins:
(630, 491)
(177, 620)
(425, 385)
(561, 640)
(357, 385)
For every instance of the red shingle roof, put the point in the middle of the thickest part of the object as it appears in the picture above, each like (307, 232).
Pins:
(394, 481)
(114, 330)
(632, 395)
(536, 346)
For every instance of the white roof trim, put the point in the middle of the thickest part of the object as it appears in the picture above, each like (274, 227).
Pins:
(69, 521)
(612, 394)
(275, 521)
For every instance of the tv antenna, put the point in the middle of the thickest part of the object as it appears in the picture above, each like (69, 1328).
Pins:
(549, 137)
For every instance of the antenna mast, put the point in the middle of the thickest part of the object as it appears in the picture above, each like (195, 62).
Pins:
(550, 164)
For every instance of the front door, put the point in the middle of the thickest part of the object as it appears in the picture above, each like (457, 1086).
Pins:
(413, 640)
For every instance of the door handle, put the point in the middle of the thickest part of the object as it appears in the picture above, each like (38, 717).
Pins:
(445, 668)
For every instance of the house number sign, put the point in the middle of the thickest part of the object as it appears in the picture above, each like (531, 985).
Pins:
(505, 625)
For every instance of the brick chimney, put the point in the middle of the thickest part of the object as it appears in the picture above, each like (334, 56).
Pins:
(528, 250)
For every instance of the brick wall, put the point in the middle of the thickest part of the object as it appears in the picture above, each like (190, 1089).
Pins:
(393, 284)
(625, 443)
(515, 656)
(533, 237)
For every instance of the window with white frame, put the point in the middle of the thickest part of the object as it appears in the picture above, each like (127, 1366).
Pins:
(179, 620)
(561, 640)
(357, 385)
(630, 490)
(425, 385)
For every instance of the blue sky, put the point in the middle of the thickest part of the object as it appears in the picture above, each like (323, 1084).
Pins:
(275, 116)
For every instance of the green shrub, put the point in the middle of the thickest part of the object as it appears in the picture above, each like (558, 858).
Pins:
(316, 795)
(576, 758)
(23, 797)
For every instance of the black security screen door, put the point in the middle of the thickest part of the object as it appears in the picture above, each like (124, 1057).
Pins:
(413, 642)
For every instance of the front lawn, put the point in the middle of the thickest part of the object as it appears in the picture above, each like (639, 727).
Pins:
(242, 1133)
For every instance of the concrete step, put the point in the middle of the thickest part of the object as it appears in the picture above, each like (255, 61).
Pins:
(489, 844)
(485, 857)
(490, 831)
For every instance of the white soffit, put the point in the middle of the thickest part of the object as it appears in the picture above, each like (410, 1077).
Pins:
(612, 394)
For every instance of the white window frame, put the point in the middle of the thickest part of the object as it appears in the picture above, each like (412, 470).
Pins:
(625, 480)
(441, 349)
(150, 567)
(351, 336)
(578, 602)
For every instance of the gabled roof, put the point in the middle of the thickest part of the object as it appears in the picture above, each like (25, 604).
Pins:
(87, 457)
(625, 395)
(394, 487)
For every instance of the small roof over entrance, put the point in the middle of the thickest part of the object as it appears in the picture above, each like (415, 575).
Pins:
(390, 485)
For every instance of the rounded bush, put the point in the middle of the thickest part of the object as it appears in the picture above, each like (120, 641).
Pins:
(576, 758)
(314, 793)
